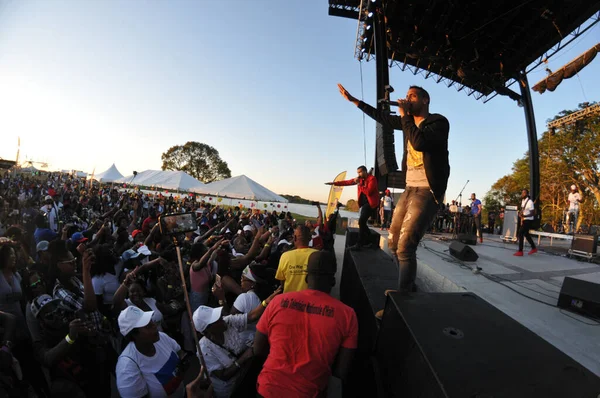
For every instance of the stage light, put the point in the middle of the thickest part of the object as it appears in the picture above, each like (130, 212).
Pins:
(370, 14)
(368, 27)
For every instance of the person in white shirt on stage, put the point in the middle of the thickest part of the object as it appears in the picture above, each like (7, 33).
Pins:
(387, 203)
(573, 213)
(526, 220)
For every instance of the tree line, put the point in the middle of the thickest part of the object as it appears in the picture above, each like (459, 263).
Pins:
(569, 154)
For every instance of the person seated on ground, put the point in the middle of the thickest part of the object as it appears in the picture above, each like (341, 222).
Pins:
(150, 364)
(324, 340)
(226, 349)
(292, 265)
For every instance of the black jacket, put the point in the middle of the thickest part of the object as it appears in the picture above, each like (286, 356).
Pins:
(431, 138)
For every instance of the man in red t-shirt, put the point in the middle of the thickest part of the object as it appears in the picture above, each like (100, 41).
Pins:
(324, 331)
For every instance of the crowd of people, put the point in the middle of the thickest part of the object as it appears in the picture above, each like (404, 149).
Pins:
(91, 295)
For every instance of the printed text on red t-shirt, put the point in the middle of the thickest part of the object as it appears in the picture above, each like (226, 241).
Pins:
(309, 308)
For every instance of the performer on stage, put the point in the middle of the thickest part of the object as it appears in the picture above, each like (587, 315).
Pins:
(476, 213)
(368, 200)
(573, 200)
(425, 160)
(526, 218)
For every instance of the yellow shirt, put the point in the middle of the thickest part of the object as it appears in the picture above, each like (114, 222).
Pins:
(414, 158)
(292, 269)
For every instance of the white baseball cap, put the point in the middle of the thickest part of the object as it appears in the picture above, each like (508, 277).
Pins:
(205, 316)
(42, 246)
(132, 318)
(247, 228)
(573, 187)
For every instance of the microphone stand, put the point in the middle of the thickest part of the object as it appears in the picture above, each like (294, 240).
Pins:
(460, 194)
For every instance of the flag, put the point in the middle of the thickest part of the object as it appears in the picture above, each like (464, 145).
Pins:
(334, 194)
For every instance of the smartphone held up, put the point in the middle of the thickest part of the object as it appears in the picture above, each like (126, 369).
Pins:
(178, 223)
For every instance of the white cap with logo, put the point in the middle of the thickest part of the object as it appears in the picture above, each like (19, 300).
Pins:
(205, 316)
(132, 318)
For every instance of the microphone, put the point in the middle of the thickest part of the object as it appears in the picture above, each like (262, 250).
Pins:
(388, 102)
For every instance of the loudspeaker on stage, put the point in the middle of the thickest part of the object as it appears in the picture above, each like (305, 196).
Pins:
(463, 252)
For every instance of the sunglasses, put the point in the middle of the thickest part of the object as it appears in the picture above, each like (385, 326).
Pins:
(71, 261)
(34, 284)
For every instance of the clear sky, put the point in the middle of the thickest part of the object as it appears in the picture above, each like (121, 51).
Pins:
(88, 83)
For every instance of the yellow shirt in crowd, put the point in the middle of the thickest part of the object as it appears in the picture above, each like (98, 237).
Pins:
(292, 269)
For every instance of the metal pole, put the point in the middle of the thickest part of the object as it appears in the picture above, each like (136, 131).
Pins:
(203, 368)
(534, 158)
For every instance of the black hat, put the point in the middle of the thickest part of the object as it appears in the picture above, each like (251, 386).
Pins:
(322, 263)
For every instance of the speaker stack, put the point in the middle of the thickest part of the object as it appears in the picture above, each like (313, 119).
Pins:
(386, 150)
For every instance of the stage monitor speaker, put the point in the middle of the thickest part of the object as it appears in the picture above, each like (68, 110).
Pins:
(463, 252)
(396, 179)
(468, 239)
(352, 236)
(580, 296)
(585, 243)
(457, 345)
(385, 150)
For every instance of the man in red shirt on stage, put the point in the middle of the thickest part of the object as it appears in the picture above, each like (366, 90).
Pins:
(308, 335)
(368, 200)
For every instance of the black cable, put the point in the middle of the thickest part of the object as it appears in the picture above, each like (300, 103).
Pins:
(491, 278)
(496, 279)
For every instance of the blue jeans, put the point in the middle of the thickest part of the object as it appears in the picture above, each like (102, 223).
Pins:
(413, 215)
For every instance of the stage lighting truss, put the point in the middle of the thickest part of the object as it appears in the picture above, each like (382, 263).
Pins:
(568, 39)
(575, 116)
(365, 29)
(364, 49)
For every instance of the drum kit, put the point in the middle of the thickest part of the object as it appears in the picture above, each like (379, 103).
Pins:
(463, 221)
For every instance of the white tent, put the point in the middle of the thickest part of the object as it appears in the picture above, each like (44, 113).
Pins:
(174, 180)
(110, 175)
(241, 187)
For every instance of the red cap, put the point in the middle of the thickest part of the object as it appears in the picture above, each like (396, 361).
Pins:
(135, 232)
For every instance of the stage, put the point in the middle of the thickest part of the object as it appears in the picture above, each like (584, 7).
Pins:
(504, 279)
